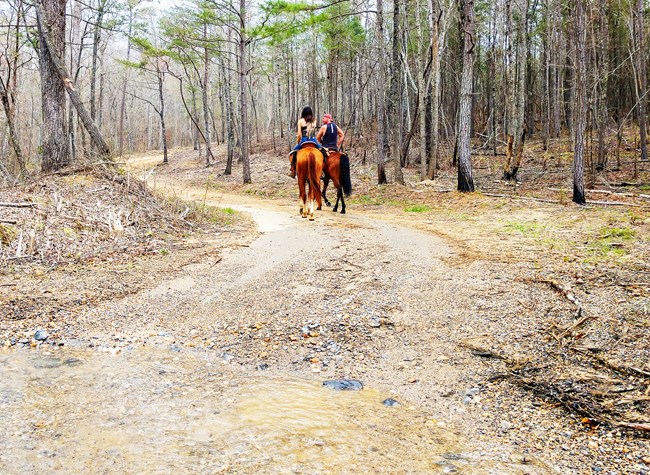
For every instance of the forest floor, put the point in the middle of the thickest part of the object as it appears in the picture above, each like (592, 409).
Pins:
(518, 323)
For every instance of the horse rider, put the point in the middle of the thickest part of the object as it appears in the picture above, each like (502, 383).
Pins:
(305, 134)
(330, 135)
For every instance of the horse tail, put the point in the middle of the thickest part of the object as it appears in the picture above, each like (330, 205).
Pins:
(346, 181)
(314, 177)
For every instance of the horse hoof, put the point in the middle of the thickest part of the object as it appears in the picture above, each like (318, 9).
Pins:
(319, 208)
(304, 216)
(328, 204)
(311, 218)
(342, 211)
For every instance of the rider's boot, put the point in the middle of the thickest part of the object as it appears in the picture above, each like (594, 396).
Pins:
(325, 153)
(292, 158)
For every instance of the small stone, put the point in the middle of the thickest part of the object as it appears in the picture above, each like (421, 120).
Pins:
(505, 425)
(41, 335)
(520, 459)
(343, 384)
(262, 367)
(472, 392)
(390, 402)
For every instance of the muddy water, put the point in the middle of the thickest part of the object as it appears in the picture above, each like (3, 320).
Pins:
(156, 411)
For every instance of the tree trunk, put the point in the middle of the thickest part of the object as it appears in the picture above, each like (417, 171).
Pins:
(56, 151)
(393, 93)
(422, 72)
(438, 29)
(60, 70)
(602, 72)
(206, 105)
(516, 129)
(381, 152)
(546, 98)
(13, 137)
(642, 78)
(93, 69)
(161, 113)
(581, 103)
(467, 31)
(196, 135)
(243, 73)
(120, 128)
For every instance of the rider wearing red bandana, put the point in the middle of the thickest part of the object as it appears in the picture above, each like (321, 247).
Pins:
(330, 135)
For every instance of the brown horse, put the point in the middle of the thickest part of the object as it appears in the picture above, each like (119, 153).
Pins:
(309, 167)
(337, 169)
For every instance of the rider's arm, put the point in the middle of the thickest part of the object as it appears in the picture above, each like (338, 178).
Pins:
(341, 136)
(320, 134)
(299, 133)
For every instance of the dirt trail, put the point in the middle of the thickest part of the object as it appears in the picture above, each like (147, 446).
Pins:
(344, 296)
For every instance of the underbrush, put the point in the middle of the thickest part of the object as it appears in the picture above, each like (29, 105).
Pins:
(94, 217)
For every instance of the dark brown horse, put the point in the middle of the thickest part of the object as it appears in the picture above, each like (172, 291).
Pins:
(309, 167)
(337, 169)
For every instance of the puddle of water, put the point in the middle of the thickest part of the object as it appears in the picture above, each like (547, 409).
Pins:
(149, 411)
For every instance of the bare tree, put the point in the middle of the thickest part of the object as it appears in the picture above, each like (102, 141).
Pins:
(381, 105)
(580, 122)
(642, 78)
(243, 90)
(467, 30)
(56, 152)
(9, 83)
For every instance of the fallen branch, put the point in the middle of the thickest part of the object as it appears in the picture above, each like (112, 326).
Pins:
(614, 203)
(544, 200)
(8, 221)
(72, 171)
(515, 197)
(18, 205)
(624, 370)
(483, 352)
(635, 426)
(572, 401)
(566, 292)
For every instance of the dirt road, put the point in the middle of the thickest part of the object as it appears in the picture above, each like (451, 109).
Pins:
(342, 297)
(244, 336)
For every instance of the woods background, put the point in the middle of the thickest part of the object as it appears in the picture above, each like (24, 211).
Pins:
(428, 82)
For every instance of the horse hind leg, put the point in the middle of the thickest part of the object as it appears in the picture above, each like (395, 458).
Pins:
(304, 207)
(311, 209)
(325, 183)
(340, 193)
